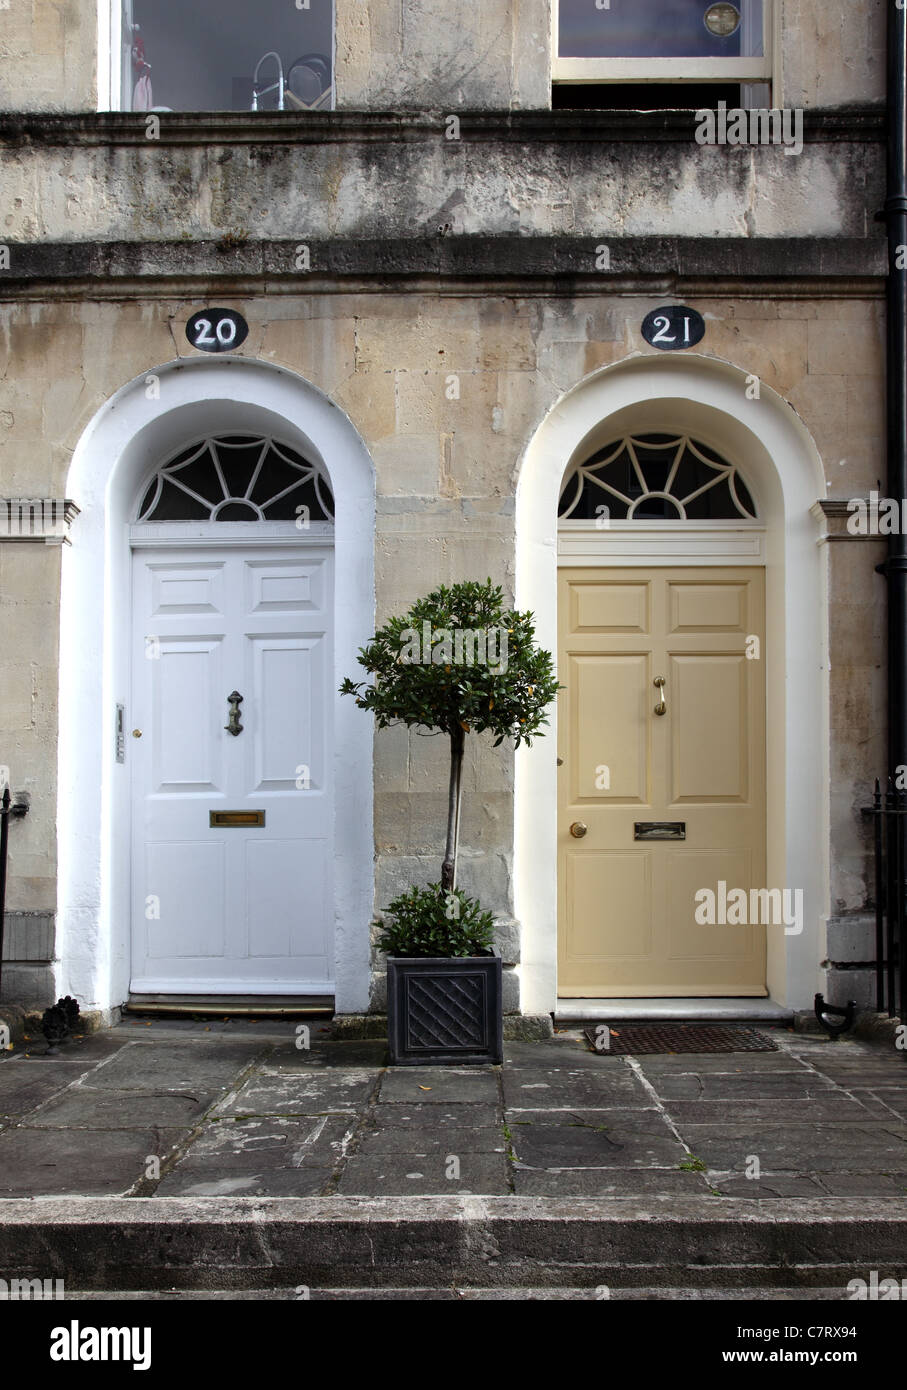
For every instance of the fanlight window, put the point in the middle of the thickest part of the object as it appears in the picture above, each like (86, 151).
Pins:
(656, 477)
(238, 478)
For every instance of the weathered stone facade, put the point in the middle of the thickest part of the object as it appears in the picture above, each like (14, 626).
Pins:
(433, 261)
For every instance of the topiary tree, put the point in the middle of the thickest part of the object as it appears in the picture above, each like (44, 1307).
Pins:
(458, 662)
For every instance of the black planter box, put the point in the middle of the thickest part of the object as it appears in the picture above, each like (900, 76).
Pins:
(444, 1010)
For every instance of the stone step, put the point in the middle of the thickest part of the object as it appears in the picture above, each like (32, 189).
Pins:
(443, 1243)
(460, 1294)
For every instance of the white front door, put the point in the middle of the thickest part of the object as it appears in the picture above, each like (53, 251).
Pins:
(232, 833)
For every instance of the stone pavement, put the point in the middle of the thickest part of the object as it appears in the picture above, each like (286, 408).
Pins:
(183, 1109)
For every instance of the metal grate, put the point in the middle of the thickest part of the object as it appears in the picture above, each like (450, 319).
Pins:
(676, 1037)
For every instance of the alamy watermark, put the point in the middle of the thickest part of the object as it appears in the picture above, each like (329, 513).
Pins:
(456, 646)
(764, 907)
(40, 1290)
(778, 126)
(32, 516)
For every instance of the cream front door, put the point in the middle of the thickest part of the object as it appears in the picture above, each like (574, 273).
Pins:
(232, 831)
(627, 903)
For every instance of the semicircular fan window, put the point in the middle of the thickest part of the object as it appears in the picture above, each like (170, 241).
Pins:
(655, 477)
(237, 477)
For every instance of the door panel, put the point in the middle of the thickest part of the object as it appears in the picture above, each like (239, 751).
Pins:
(626, 905)
(232, 909)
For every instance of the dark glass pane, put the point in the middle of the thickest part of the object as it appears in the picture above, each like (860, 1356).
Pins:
(237, 511)
(237, 456)
(202, 56)
(660, 29)
(645, 96)
(274, 475)
(657, 509)
(716, 504)
(176, 505)
(284, 509)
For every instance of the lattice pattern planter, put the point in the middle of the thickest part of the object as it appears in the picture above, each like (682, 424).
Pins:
(444, 1011)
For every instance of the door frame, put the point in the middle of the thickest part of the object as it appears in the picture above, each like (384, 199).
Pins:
(145, 422)
(709, 399)
(179, 536)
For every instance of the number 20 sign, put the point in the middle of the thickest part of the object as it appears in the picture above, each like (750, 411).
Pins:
(673, 328)
(217, 330)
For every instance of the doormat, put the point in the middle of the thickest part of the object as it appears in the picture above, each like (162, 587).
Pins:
(677, 1037)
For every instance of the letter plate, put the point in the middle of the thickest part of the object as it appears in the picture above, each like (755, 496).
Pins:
(237, 818)
(660, 830)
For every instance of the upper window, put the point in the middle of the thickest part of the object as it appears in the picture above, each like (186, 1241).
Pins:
(655, 477)
(237, 477)
(224, 55)
(690, 42)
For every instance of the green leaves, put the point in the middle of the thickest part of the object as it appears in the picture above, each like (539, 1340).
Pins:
(432, 922)
(458, 657)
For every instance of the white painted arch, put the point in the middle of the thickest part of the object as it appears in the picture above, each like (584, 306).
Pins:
(708, 399)
(139, 427)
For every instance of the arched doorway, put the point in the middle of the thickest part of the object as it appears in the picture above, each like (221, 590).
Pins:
(205, 553)
(708, 402)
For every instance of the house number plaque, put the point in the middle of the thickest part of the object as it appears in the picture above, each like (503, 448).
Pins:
(673, 328)
(217, 330)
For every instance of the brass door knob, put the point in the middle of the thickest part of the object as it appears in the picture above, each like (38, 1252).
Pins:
(578, 829)
(136, 733)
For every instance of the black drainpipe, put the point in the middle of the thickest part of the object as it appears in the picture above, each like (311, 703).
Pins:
(895, 215)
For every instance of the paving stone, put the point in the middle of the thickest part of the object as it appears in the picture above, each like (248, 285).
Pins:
(865, 1077)
(444, 1115)
(410, 1139)
(307, 1180)
(395, 1175)
(730, 1063)
(834, 1107)
(608, 1182)
(82, 1049)
(767, 1186)
(82, 1107)
(547, 1056)
(438, 1085)
(98, 1162)
(23, 1087)
(865, 1184)
(792, 1148)
(761, 1086)
(260, 1158)
(604, 1139)
(564, 1089)
(340, 1055)
(174, 1066)
(306, 1093)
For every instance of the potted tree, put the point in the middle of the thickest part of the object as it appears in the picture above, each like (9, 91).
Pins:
(457, 663)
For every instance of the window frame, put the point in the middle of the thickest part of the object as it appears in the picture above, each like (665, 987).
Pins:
(675, 70)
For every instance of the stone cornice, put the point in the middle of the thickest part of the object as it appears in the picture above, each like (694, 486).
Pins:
(23, 129)
(793, 267)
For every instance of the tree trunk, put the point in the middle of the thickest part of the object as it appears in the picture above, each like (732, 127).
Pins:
(449, 866)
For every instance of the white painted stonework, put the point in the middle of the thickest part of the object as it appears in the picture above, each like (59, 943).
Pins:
(132, 434)
(768, 442)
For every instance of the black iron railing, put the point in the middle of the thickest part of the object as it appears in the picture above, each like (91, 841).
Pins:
(889, 816)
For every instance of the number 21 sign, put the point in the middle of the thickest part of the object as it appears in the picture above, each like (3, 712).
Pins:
(216, 330)
(674, 327)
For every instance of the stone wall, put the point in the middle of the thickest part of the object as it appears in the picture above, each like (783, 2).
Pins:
(452, 54)
(446, 471)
